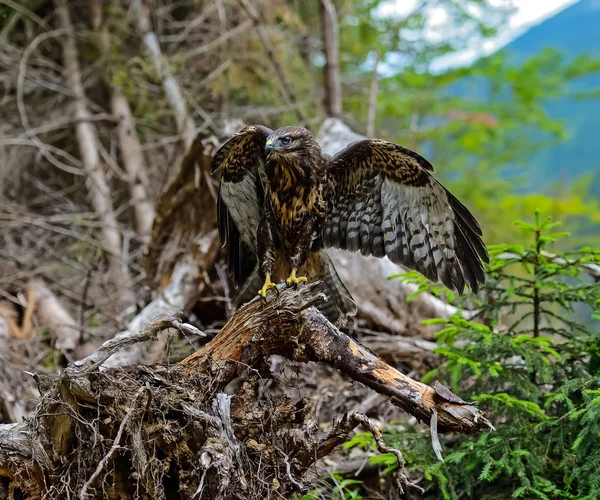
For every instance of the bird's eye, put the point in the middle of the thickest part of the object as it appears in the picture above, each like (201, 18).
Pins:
(286, 140)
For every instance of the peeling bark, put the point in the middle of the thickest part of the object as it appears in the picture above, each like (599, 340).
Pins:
(289, 326)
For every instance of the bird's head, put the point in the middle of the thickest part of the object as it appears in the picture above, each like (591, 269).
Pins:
(290, 142)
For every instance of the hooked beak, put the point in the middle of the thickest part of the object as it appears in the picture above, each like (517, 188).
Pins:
(269, 146)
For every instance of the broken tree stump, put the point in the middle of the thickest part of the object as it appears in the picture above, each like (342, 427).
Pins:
(172, 431)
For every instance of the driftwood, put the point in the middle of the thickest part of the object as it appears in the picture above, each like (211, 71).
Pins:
(172, 432)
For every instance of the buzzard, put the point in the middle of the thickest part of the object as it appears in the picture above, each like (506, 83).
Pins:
(282, 202)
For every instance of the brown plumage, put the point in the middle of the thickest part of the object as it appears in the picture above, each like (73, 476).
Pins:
(282, 201)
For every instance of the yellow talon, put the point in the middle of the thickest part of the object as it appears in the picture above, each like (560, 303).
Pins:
(294, 280)
(267, 286)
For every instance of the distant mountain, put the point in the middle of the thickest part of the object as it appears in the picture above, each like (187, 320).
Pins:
(573, 31)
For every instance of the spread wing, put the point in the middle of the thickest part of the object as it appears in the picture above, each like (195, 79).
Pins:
(241, 193)
(385, 201)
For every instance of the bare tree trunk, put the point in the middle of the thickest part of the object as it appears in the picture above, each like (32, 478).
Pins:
(286, 87)
(373, 98)
(331, 47)
(185, 122)
(133, 160)
(87, 138)
(129, 142)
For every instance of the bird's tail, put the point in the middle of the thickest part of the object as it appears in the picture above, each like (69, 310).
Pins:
(247, 291)
(340, 303)
(338, 307)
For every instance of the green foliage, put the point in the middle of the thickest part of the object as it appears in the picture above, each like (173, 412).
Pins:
(343, 489)
(531, 360)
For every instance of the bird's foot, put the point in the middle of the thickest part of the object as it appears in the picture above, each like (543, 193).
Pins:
(294, 280)
(269, 285)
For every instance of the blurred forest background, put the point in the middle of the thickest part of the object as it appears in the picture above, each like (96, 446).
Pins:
(101, 99)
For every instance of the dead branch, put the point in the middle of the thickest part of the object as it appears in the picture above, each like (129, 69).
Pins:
(289, 326)
(173, 298)
(148, 333)
(341, 432)
(22, 10)
(133, 160)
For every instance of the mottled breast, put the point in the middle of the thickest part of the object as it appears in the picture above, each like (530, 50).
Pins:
(292, 200)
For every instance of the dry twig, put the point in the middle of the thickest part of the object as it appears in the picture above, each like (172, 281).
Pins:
(116, 444)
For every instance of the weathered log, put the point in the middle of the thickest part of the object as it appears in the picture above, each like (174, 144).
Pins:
(289, 326)
(111, 433)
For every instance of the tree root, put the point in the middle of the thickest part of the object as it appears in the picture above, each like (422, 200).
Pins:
(171, 431)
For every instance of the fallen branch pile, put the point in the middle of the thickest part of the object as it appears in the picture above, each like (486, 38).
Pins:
(174, 432)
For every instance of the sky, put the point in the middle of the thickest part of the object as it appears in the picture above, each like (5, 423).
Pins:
(527, 13)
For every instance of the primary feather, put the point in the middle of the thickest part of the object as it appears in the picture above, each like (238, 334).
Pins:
(241, 194)
(383, 200)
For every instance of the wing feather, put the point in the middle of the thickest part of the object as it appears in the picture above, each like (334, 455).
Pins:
(241, 194)
(384, 201)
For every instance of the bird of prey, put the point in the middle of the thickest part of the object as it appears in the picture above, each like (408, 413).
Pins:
(282, 202)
